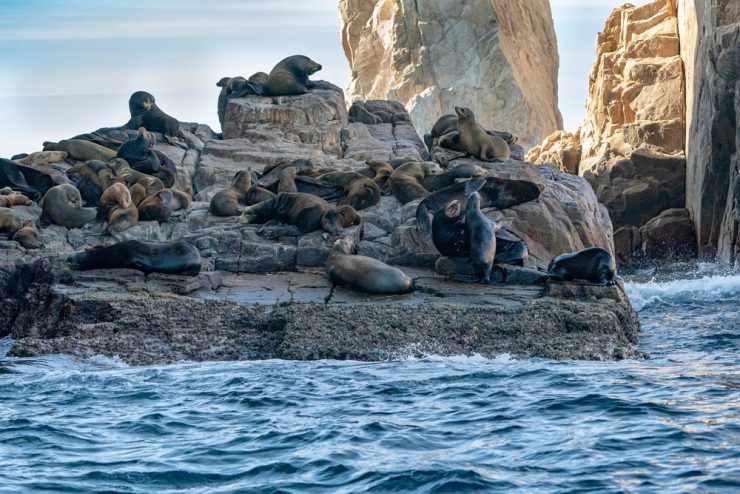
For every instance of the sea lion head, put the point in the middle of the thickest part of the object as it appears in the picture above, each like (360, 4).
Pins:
(362, 194)
(145, 136)
(452, 209)
(243, 180)
(345, 245)
(224, 81)
(464, 113)
(140, 102)
(117, 164)
(431, 168)
(337, 219)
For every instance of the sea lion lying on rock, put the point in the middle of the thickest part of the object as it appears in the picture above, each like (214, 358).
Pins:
(406, 180)
(306, 212)
(360, 192)
(593, 265)
(150, 257)
(290, 76)
(129, 175)
(63, 206)
(344, 267)
(123, 213)
(495, 192)
(446, 126)
(43, 158)
(437, 182)
(27, 236)
(145, 113)
(29, 180)
(147, 186)
(10, 200)
(160, 206)
(81, 150)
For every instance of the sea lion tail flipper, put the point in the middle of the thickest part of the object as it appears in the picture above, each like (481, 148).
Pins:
(423, 219)
(474, 185)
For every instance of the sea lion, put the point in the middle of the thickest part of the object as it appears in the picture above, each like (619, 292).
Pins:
(106, 176)
(256, 195)
(592, 265)
(63, 206)
(259, 78)
(116, 195)
(380, 171)
(290, 76)
(150, 257)
(476, 141)
(360, 192)
(227, 85)
(287, 180)
(27, 236)
(160, 206)
(145, 113)
(138, 153)
(445, 132)
(437, 182)
(43, 158)
(29, 180)
(88, 182)
(495, 192)
(81, 150)
(122, 218)
(147, 186)
(344, 267)
(10, 221)
(450, 237)
(129, 175)
(228, 202)
(10, 200)
(304, 211)
(482, 234)
(406, 180)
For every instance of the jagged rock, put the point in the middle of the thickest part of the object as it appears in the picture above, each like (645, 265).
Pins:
(560, 148)
(498, 57)
(669, 235)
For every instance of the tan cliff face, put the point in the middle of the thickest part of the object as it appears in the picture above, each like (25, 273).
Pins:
(498, 57)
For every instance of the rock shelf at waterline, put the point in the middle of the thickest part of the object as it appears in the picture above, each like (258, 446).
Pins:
(259, 296)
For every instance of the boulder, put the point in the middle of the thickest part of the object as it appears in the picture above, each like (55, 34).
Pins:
(669, 235)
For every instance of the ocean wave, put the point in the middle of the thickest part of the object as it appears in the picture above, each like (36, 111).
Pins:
(704, 289)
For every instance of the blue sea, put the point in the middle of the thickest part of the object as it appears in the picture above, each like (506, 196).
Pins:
(670, 423)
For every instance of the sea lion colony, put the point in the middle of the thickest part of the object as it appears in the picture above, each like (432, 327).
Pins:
(122, 182)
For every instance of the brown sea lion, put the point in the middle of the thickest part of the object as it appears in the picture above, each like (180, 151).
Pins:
(145, 113)
(81, 150)
(150, 257)
(106, 176)
(43, 158)
(290, 76)
(10, 221)
(445, 131)
(10, 200)
(227, 85)
(147, 186)
(406, 180)
(360, 192)
(116, 195)
(138, 153)
(592, 265)
(304, 211)
(155, 207)
(128, 174)
(344, 267)
(495, 192)
(28, 236)
(63, 206)
(482, 235)
(287, 180)
(476, 141)
(438, 182)
(381, 172)
(122, 218)
(229, 201)
(256, 195)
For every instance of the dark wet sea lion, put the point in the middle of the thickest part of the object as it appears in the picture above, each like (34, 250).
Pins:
(145, 113)
(27, 236)
(150, 257)
(406, 180)
(63, 206)
(344, 267)
(476, 141)
(593, 265)
(438, 182)
(495, 192)
(88, 182)
(229, 201)
(31, 181)
(290, 76)
(451, 239)
(304, 211)
(482, 235)
(138, 153)
(81, 150)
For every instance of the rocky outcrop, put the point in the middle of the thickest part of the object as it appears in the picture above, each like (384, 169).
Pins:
(631, 145)
(498, 57)
(710, 47)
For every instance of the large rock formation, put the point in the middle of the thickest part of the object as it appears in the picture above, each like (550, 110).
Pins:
(631, 145)
(498, 57)
(710, 47)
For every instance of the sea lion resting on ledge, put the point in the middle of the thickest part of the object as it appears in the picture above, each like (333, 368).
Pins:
(150, 257)
(593, 265)
(63, 206)
(306, 212)
(288, 78)
(344, 267)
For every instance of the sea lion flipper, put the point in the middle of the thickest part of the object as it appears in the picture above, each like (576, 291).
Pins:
(474, 185)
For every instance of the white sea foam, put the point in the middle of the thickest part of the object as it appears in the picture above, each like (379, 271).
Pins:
(700, 289)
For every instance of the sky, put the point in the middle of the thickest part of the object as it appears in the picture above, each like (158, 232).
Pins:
(69, 66)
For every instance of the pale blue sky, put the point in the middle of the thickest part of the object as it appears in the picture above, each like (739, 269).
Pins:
(69, 65)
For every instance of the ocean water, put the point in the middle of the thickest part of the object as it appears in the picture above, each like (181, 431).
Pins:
(467, 424)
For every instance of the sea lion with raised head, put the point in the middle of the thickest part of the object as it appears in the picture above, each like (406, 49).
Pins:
(593, 265)
(150, 257)
(476, 141)
(228, 85)
(482, 234)
(304, 211)
(290, 76)
(27, 236)
(145, 113)
(495, 192)
(63, 206)
(256, 195)
(138, 153)
(406, 180)
(229, 201)
(344, 267)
